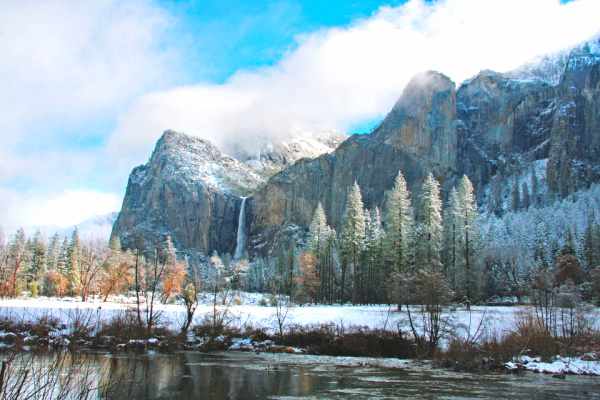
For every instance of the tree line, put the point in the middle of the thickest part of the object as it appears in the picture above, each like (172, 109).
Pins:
(372, 260)
(84, 267)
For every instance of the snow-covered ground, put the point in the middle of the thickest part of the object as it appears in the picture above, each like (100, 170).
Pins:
(586, 365)
(496, 320)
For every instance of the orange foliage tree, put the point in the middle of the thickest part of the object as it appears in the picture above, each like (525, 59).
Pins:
(174, 278)
(307, 282)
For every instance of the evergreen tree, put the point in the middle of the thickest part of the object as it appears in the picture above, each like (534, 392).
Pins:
(525, 199)
(451, 236)
(38, 257)
(534, 187)
(495, 199)
(429, 225)
(73, 260)
(469, 239)
(318, 231)
(516, 196)
(352, 236)
(591, 245)
(53, 252)
(400, 227)
(375, 247)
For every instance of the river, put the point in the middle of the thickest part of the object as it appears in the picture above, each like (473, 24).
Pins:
(238, 375)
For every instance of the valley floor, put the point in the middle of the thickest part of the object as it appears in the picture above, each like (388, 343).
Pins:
(463, 323)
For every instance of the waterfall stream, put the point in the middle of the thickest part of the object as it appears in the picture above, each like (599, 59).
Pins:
(241, 232)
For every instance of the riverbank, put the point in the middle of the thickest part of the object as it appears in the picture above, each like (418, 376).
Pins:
(482, 338)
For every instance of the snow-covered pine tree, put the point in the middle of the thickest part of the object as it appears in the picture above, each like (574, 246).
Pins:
(318, 232)
(429, 225)
(469, 239)
(73, 260)
(525, 199)
(452, 236)
(534, 187)
(352, 236)
(38, 257)
(53, 252)
(375, 248)
(516, 195)
(399, 227)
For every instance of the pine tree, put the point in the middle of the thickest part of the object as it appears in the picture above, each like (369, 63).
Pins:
(400, 227)
(591, 245)
(53, 252)
(375, 245)
(38, 257)
(525, 199)
(516, 196)
(469, 238)
(352, 236)
(318, 231)
(73, 260)
(451, 236)
(534, 187)
(429, 226)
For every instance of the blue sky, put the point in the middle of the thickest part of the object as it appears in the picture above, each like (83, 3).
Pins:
(221, 37)
(88, 86)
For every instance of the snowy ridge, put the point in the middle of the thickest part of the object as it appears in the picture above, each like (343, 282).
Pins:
(550, 68)
(292, 147)
(197, 160)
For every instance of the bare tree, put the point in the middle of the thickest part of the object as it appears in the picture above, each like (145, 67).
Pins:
(428, 293)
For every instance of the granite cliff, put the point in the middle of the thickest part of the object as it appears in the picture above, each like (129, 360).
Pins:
(493, 127)
(193, 192)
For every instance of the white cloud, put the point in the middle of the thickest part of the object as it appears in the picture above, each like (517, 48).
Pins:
(342, 76)
(30, 210)
(66, 68)
(65, 62)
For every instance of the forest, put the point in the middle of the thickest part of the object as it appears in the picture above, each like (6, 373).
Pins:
(504, 254)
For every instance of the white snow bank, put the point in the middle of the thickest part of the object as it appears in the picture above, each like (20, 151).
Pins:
(586, 365)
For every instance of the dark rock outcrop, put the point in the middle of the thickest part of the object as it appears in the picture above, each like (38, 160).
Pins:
(191, 191)
(188, 190)
(418, 136)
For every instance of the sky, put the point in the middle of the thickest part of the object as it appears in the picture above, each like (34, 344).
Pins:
(88, 86)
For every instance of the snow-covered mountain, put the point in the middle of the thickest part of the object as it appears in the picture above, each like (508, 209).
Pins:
(193, 192)
(501, 129)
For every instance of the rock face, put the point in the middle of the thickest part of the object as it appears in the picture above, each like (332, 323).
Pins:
(545, 112)
(191, 191)
(188, 190)
(574, 159)
(418, 136)
(549, 109)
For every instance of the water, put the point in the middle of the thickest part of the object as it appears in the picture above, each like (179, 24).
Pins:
(241, 232)
(236, 375)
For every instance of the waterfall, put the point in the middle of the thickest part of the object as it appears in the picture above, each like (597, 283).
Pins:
(241, 232)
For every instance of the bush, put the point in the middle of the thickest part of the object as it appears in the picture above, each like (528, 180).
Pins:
(357, 341)
(33, 289)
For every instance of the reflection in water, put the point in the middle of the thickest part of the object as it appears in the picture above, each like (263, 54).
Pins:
(232, 375)
(236, 375)
(190, 375)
